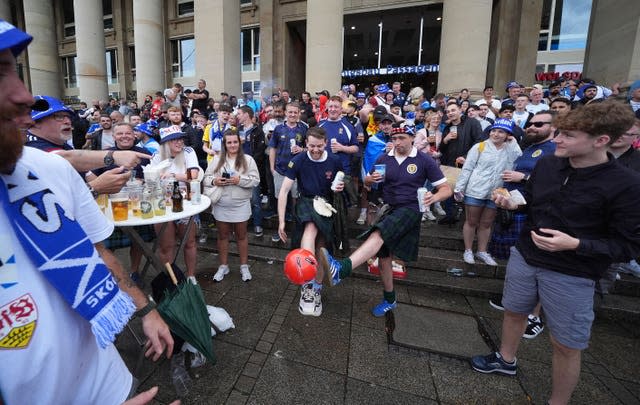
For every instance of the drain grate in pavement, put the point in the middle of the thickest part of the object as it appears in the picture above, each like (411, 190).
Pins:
(422, 330)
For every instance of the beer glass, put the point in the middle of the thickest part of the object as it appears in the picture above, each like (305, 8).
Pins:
(120, 206)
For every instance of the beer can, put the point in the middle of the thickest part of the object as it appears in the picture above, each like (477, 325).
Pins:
(292, 143)
(195, 192)
(337, 180)
(421, 193)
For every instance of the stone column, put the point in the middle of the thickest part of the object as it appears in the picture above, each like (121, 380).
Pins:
(5, 11)
(149, 43)
(324, 45)
(514, 39)
(466, 27)
(613, 43)
(91, 62)
(266, 11)
(43, 52)
(217, 36)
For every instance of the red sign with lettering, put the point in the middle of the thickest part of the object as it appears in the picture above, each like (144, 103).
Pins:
(549, 76)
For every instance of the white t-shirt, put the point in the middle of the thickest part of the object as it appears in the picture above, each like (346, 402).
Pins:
(495, 103)
(520, 118)
(107, 140)
(190, 162)
(54, 358)
(534, 108)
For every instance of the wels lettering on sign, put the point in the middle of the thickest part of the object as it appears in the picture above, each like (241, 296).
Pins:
(550, 76)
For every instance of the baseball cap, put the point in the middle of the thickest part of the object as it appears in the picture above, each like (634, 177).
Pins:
(388, 117)
(512, 84)
(45, 106)
(379, 112)
(144, 127)
(172, 132)
(346, 88)
(12, 38)
(503, 124)
(383, 88)
(360, 94)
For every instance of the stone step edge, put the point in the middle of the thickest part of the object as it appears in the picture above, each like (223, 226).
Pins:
(460, 285)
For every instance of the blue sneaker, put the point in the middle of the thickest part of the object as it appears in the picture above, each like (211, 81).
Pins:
(382, 308)
(493, 363)
(331, 266)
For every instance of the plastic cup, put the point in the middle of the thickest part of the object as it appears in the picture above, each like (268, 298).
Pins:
(382, 169)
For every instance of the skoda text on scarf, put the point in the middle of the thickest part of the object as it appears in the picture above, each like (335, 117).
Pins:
(63, 253)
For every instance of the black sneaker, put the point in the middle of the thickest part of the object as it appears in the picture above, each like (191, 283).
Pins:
(535, 326)
(497, 303)
(493, 363)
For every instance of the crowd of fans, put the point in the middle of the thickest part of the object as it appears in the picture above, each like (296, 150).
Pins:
(446, 127)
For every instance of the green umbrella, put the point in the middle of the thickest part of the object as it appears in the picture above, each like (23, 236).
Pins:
(186, 314)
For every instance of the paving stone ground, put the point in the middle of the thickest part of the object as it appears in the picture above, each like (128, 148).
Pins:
(277, 356)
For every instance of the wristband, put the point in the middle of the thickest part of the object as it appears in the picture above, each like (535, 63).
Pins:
(151, 305)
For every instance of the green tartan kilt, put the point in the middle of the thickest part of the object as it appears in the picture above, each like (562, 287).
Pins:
(400, 231)
(305, 213)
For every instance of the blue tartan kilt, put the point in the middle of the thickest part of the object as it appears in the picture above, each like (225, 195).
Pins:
(502, 239)
(119, 239)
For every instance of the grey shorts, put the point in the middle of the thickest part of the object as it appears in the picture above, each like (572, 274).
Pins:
(567, 301)
(277, 183)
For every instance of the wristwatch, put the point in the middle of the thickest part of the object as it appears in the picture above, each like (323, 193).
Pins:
(108, 158)
(526, 178)
(142, 312)
(94, 193)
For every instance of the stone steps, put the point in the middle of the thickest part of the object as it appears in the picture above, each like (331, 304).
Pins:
(430, 271)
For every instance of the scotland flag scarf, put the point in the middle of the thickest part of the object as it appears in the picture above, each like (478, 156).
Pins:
(61, 250)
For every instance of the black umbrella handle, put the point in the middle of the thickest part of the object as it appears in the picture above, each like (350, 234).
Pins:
(171, 273)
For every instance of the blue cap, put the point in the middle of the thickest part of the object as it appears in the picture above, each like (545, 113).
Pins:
(503, 124)
(411, 115)
(512, 84)
(93, 128)
(144, 128)
(361, 94)
(346, 88)
(383, 88)
(46, 105)
(152, 124)
(12, 38)
(425, 105)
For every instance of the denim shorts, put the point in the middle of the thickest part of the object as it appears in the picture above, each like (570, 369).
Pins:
(477, 202)
(567, 301)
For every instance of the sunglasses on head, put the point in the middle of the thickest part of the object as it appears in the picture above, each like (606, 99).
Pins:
(538, 124)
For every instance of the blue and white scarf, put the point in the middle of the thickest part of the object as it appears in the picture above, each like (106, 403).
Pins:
(61, 250)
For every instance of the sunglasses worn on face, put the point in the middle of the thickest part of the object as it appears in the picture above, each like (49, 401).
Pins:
(539, 124)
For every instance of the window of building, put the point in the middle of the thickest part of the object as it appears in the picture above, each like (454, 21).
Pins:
(69, 77)
(183, 59)
(250, 49)
(244, 3)
(112, 66)
(132, 62)
(107, 12)
(68, 19)
(185, 8)
(251, 85)
(564, 25)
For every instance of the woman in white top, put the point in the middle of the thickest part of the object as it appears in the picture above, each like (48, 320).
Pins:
(481, 174)
(428, 140)
(182, 158)
(237, 175)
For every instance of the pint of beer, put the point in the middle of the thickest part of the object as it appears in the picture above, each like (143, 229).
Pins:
(120, 206)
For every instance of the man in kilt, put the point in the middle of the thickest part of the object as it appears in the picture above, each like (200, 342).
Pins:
(314, 171)
(397, 233)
